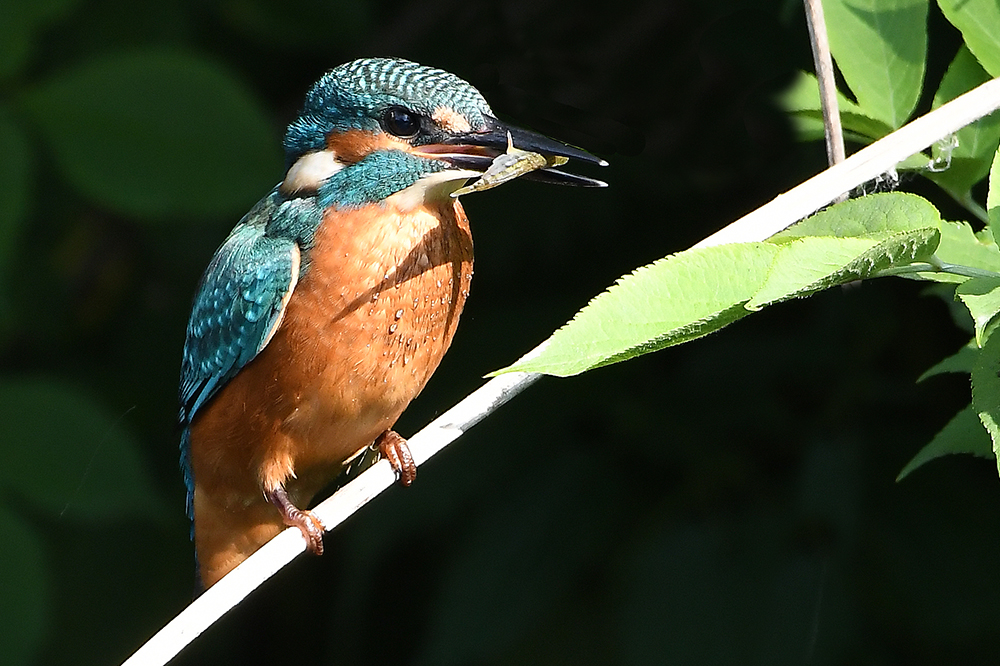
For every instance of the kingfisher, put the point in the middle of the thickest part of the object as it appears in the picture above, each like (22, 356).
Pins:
(330, 304)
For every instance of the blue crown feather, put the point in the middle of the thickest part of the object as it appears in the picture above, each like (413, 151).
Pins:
(353, 96)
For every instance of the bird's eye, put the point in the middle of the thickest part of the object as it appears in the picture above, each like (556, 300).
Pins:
(400, 122)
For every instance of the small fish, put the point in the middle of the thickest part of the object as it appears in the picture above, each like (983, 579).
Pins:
(508, 166)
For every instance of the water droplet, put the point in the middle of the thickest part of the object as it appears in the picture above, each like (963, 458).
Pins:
(392, 328)
(399, 314)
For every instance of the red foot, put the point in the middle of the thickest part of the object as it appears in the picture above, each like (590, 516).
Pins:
(395, 449)
(306, 521)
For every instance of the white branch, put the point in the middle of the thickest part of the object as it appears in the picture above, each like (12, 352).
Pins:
(862, 166)
(279, 551)
(762, 223)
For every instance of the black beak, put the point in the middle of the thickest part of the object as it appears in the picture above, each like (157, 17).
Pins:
(476, 150)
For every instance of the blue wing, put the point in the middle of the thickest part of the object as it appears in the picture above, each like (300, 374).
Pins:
(239, 304)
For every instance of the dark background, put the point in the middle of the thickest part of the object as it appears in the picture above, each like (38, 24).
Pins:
(730, 501)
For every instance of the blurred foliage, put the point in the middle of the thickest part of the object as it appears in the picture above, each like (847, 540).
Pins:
(728, 501)
(119, 126)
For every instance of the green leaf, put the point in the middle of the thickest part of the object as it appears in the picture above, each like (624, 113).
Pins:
(25, 584)
(880, 47)
(986, 389)
(916, 161)
(68, 455)
(693, 293)
(967, 159)
(809, 265)
(159, 134)
(963, 434)
(993, 197)
(961, 246)
(979, 23)
(673, 300)
(802, 102)
(877, 216)
(850, 241)
(982, 297)
(961, 361)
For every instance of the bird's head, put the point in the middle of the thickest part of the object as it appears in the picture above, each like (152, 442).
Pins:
(398, 124)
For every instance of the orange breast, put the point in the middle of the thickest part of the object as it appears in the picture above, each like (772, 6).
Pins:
(374, 311)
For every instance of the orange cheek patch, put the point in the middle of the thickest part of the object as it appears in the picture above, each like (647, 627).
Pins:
(353, 145)
(451, 120)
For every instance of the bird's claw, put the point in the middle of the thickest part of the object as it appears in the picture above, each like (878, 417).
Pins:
(395, 449)
(311, 528)
(307, 522)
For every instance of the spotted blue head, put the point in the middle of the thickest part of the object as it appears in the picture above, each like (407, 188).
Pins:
(399, 122)
(384, 94)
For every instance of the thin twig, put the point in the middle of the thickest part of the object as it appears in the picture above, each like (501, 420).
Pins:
(827, 84)
(758, 225)
(938, 267)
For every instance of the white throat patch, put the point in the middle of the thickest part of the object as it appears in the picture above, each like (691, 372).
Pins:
(431, 187)
(309, 172)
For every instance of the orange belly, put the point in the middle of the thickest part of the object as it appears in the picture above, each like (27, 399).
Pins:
(374, 311)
